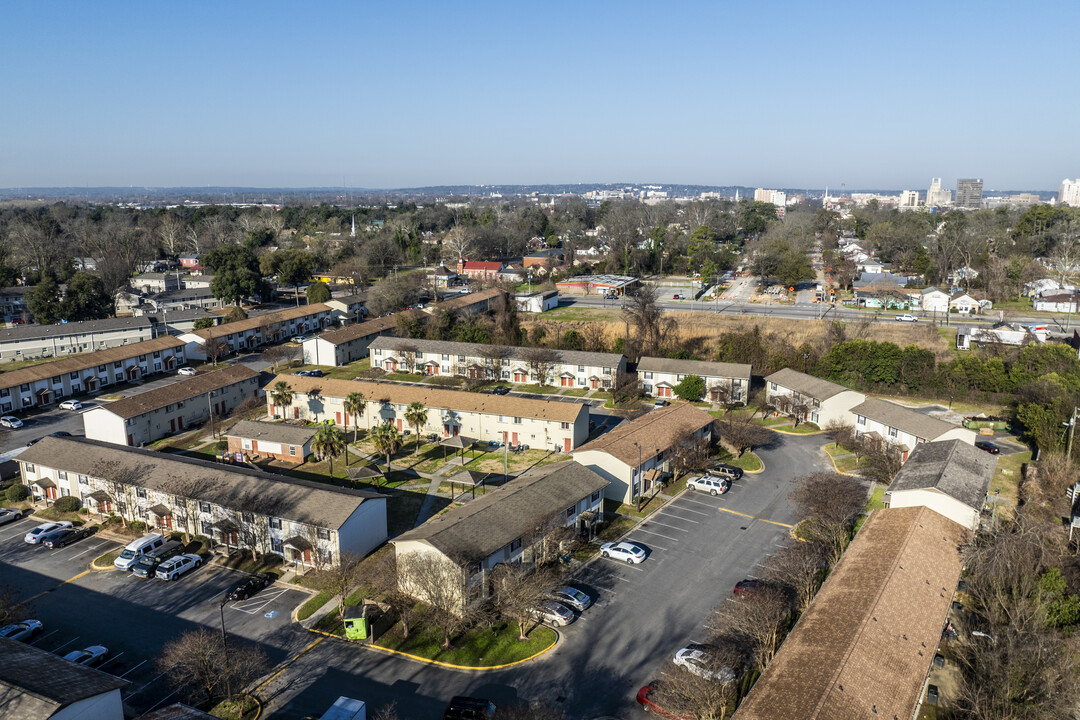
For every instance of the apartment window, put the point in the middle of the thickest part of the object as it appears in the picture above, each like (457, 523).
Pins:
(275, 523)
(206, 529)
(24, 387)
(247, 517)
(179, 406)
(204, 507)
(142, 358)
(245, 443)
(5, 392)
(168, 408)
(83, 480)
(445, 357)
(140, 493)
(378, 351)
(515, 545)
(581, 368)
(118, 364)
(130, 422)
(647, 375)
(570, 511)
(772, 386)
(56, 380)
(324, 534)
(419, 355)
(607, 371)
(327, 556)
(157, 353)
(292, 450)
(101, 368)
(517, 421)
(860, 420)
(461, 358)
(29, 468)
(565, 426)
(893, 432)
(678, 378)
(275, 546)
(594, 497)
(74, 376)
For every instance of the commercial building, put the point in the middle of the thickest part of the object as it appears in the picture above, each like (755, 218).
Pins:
(937, 196)
(909, 199)
(343, 346)
(776, 197)
(1069, 193)
(969, 193)
(40, 685)
(634, 455)
(724, 382)
(479, 269)
(864, 645)
(237, 507)
(565, 368)
(537, 423)
(273, 327)
(597, 285)
(523, 521)
(26, 342)
(809, 398)
(279, 441)
(950, 477)
(537, 302)
(904, 428)
(48, 382)
(148, 416)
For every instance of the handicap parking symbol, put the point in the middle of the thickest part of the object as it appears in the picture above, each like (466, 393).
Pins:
(270, 614)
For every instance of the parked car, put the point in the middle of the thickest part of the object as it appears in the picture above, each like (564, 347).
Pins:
(572, 597)
(35, 535)
(626, 551)
(697, 659)
(71, 405)
(645, 700)
(22, 630)
(988, 447)
(298, 339)
(10, 422)
(246, 588)
(315, 373)
(50, 536)
(906, 318)
(179, 565)
(62, 538)
(709, 483)
(186, 370)
(147, 565)
(746, 587)
(553, 613)
(676, 296)
(462, 707)
(661, 403)
(500, 390)
(89, 656)
(728, 471)
(9, 515)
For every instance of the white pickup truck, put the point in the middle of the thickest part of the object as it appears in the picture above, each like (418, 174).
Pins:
(906, 318)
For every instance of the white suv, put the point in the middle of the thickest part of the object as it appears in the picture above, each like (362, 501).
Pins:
(710, 484)
(174, 567)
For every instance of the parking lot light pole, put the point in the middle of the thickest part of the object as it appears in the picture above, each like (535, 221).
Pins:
(225, 644)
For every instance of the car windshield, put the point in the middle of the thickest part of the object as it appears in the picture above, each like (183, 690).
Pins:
(576, 594)
(127, 554)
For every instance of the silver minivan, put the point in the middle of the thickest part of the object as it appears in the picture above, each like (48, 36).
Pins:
(136, 549)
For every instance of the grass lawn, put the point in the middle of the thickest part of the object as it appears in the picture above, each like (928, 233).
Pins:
(403, 508)
(186, 441)
(479, 647)
(615, 526)
(849, 464)
(106, 560)
(515, 462)
(804, 428)
(876, 501)
(835, 451)
(962, 408)
(582, 314)
(749, 461)
(536, 389)
(1007, 477)
(314, 603)
(576, 392)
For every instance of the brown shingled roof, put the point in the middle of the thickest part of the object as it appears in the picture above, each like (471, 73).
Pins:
(359, 330)
(192, 387)
(808, 385)
(658, 428)
(258, 321)
(77, 363)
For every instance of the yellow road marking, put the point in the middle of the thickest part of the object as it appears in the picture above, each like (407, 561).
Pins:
(753, 517)
(289, 662)
(71, 579)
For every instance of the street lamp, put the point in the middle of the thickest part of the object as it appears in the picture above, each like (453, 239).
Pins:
(225, 645)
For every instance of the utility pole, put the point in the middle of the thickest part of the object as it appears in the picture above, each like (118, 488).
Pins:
(1072, 429)
(213, 433)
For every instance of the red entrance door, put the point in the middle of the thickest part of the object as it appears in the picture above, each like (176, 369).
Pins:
(296, 413)
(180, 423)
(337, 416)
(567, 382)
(172, 425)
(515, 438)
(595, 383)
(446, 430)
(400, 426)
(520, 377)
(566, 444)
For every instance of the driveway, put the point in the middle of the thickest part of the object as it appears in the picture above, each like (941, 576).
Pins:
(699, 547)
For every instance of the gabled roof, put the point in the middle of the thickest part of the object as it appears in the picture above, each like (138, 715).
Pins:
(953, 467)
(482, 265)
(358, 330)
(469, 300)
(193, 387)
(274, 432)
(808, 385)
(694, 367)
(264, 320)
(657, 429)
(477, 529)
(447, 347)
(927, 291)
(86, 361)
(910, 421)
(36, 684)
(864, 645)
(64, 330)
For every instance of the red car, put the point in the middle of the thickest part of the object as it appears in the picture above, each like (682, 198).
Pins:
(645, 701)
(746, 587)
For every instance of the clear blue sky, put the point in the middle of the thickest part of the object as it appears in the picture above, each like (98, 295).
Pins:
(396, 94)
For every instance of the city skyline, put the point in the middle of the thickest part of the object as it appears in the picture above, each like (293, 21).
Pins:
(250, 95)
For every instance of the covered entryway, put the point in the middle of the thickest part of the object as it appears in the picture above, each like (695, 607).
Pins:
(133, 373)
(226, 532)
(390, 366)
(594, 382)
(170, 363)
(43, 397)
(299, 550)
(47, 488)
(101, 502)
(566, 380)
(663, 391)
(92, 383)
(520, 376)
(163, 516)
(431, 368)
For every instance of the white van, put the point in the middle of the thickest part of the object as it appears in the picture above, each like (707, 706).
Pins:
(136, 549)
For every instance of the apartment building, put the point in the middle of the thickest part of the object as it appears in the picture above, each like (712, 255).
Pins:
(148, 416)
(237, 507)
(724, 382)
(279, 441)
(565, 368)
(343, 346)
(562, 426)
(273, 327)
(904, 428)
(156, 282)
(26, 342)
(13, 307)
(48, 382)
(809, 398)
(951, 478)
(348, 308)
(469, 303)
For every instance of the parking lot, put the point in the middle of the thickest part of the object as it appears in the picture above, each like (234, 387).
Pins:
(134, 617)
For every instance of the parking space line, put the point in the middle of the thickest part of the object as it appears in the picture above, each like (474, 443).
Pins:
(93, 549)
(9, 537)
(45, 636)
(676, 517)
(654, 546)
(70, 579)
(58, 649)
(114, 657)
(666, 537)
(162, 702)
(696, 512)
(147, 684)
(134, 668)
(657, 522)
(753, 517)
(698, 502)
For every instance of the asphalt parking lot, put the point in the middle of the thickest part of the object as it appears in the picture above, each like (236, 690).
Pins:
(134, 617)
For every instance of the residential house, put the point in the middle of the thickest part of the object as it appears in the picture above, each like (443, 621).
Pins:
(348, 308)
(442, 277)
(950, 477)
(521, 522)
(536, 302)
(727, 383)
(904, 428)
(13, 305)
(201, 281)
(880, 280)
(1000, 333)
(48, 382)
(1066, 302)
(568, 368)
(479, 269)
(238, 507)
(885, 297)
(155, 282)
(963, 303)
(279, 441)
(148, 416)
(562, 426)
(633, 455)
(191, 262)
(933, 300)
(864, 645)
(597, 285)
(27, 342)
(1037, 288)
(39, 685)
(258, 330)
(343, 346)
(190, 298)
(810, 398)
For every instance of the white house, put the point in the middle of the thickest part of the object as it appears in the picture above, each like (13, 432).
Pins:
(933, 300)
(904, 428)
(537, 302)
(345, 345)
(964, 303)
(819, 401)
(348, 308)
(1059, 303)
(949, 477)
(1047, 286)
(237, 506)
(724, 382)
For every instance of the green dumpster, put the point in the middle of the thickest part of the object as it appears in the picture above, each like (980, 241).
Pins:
(356, 623)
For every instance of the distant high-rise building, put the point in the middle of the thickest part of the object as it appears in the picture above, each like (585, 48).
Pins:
(909, 199)
(969, 193)
(936, 196)
(776, 197)
(1069, 194)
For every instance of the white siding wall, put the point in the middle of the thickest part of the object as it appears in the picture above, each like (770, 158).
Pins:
(100, 424)
(618, 474)
(365, 529)
(106, 706)
(939, 502)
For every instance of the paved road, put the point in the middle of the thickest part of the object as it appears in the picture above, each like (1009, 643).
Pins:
(700, 546)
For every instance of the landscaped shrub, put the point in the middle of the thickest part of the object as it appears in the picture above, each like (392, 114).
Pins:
(17, 493)
(68, 503)
(137, 526)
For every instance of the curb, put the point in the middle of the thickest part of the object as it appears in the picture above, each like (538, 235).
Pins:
(837, 470)
(798, 434)
(451, 666)
(759, 470)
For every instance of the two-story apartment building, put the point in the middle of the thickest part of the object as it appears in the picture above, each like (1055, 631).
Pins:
(343, 346)
(258, 330)
(156, 282)
(148, 416)
(904, 428)
(348, 308)
(724, 382)
(516, 523)
(810, 398)
(468, 304)
(237, 507)
(538, 423)
(26, 342)
(48, 382)
(565, 368)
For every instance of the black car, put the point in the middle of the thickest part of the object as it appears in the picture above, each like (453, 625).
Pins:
(315, 373)
(58, 433)
(469, 708)
(246, 588)
(500, 390)
(68, 536)
(988, 447)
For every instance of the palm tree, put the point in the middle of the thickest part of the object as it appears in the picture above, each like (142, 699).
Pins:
(355, 404)
(387, 441)
(416, 415)
(282, 395)
(327, 444)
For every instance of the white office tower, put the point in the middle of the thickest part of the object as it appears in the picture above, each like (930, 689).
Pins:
(1069, 194)
(937, 196)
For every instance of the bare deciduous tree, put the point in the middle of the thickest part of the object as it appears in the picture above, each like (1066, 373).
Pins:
(198, 664)
(701, 695)
(540, 361)
(829, 502)
(493, 359)
(440, 585)
(742, 435)
(11, 608)
(342, 578)
(215, 349)
(757, 620)
(406, 354)
(800, 567)
(387, 577)
(518, 590)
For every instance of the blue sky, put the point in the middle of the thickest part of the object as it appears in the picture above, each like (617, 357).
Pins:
(399, 94)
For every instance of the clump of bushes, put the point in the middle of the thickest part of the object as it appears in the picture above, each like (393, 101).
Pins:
(17, 493)
(68, 503)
